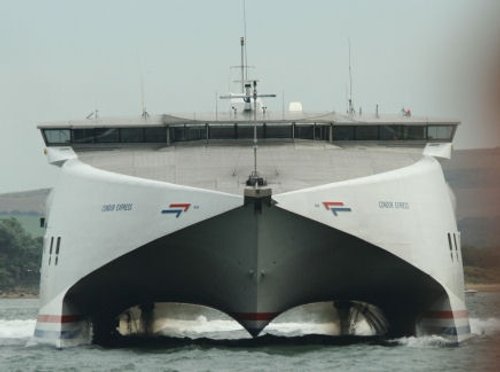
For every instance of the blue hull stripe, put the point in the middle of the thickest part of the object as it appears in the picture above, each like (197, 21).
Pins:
(57, 334)
(335, 210)
(451, 331)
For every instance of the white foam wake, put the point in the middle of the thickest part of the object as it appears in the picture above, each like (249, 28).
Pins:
(479, 327)
(202, 327)
(422, 341)
(486, 327)
(17, 328)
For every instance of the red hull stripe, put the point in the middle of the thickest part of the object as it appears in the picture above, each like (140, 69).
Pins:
(184, 206)
(59, 318)
(447, 314)
(329, 204)
(254, 316)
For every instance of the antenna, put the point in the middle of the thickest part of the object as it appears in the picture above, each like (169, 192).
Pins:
(216, 106)
(243, 79)
(144, 113)
(93, 115)
(351, 106)
(283, 104)
(245, 36)
(255, 174)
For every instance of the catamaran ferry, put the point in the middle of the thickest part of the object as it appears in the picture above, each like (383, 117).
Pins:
(251, 213)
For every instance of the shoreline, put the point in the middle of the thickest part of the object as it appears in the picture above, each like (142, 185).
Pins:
(19, 294)
(483, 287)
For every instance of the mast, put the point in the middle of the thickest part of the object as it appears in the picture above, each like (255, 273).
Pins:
(255, 174)
(245, 40)
(351, 106)
(242, 65)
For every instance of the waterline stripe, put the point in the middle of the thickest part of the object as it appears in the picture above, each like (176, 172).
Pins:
(447, 314)
(45, 318)
(57, 334)
(449, 331)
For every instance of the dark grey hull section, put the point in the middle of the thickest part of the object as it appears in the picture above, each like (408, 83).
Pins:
(254, 263)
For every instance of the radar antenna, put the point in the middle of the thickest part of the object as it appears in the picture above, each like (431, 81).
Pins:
(93, 115)
(351, 105)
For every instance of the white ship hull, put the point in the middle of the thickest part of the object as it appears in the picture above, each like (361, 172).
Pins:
(113, 241)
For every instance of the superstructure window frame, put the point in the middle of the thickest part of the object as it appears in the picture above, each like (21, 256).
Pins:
(131, 135)
(440, 132)
(344, 132)
(366, 132)
(60, 140)
(198, 131)
(107, 135)
(82, 136)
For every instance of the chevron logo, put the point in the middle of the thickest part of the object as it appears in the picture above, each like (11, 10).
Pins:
(335, 207)
(177, 209)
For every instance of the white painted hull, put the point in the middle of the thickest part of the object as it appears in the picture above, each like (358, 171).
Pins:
(301, 246)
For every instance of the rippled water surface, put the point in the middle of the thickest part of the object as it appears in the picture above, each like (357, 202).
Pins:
(480, 353)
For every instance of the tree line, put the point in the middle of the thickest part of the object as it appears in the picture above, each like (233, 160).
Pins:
(20, 256)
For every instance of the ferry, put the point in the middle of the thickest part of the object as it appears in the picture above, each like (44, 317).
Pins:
(251, 212)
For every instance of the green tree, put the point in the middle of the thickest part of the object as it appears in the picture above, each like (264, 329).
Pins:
(20, 256)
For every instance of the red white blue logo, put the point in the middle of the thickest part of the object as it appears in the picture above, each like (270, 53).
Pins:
(336, 207)
(177, 209)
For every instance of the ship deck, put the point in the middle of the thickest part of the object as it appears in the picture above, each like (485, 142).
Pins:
(225, 166)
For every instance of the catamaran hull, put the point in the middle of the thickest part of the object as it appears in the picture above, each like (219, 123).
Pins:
(114, 241)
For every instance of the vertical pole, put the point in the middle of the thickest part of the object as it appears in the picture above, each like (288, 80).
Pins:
(242, 43)
(255, 129)
(216, 107)
(282, 105)
(245, 36)
(351, 106)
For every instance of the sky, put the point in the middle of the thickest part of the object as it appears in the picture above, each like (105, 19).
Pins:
(61, 59)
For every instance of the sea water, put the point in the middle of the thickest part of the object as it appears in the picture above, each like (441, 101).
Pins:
(479, 353)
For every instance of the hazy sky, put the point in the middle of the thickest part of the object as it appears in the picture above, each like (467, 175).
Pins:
(61, 59)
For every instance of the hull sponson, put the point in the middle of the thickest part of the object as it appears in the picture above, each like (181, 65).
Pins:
(407, 212)
(253, 263)
(97, 216)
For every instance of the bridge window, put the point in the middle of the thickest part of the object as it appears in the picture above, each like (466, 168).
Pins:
(155, 135)
(246, 131)
(225, 132)
(414, 132)
(391, 132)
(132, 135)
(106, 135)
(194, 133)
(304, 131)
(343, 133)
(57, 136)
(440, 132)
(83, 136)
(281, 131)
(188, 133)
(366, 133)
